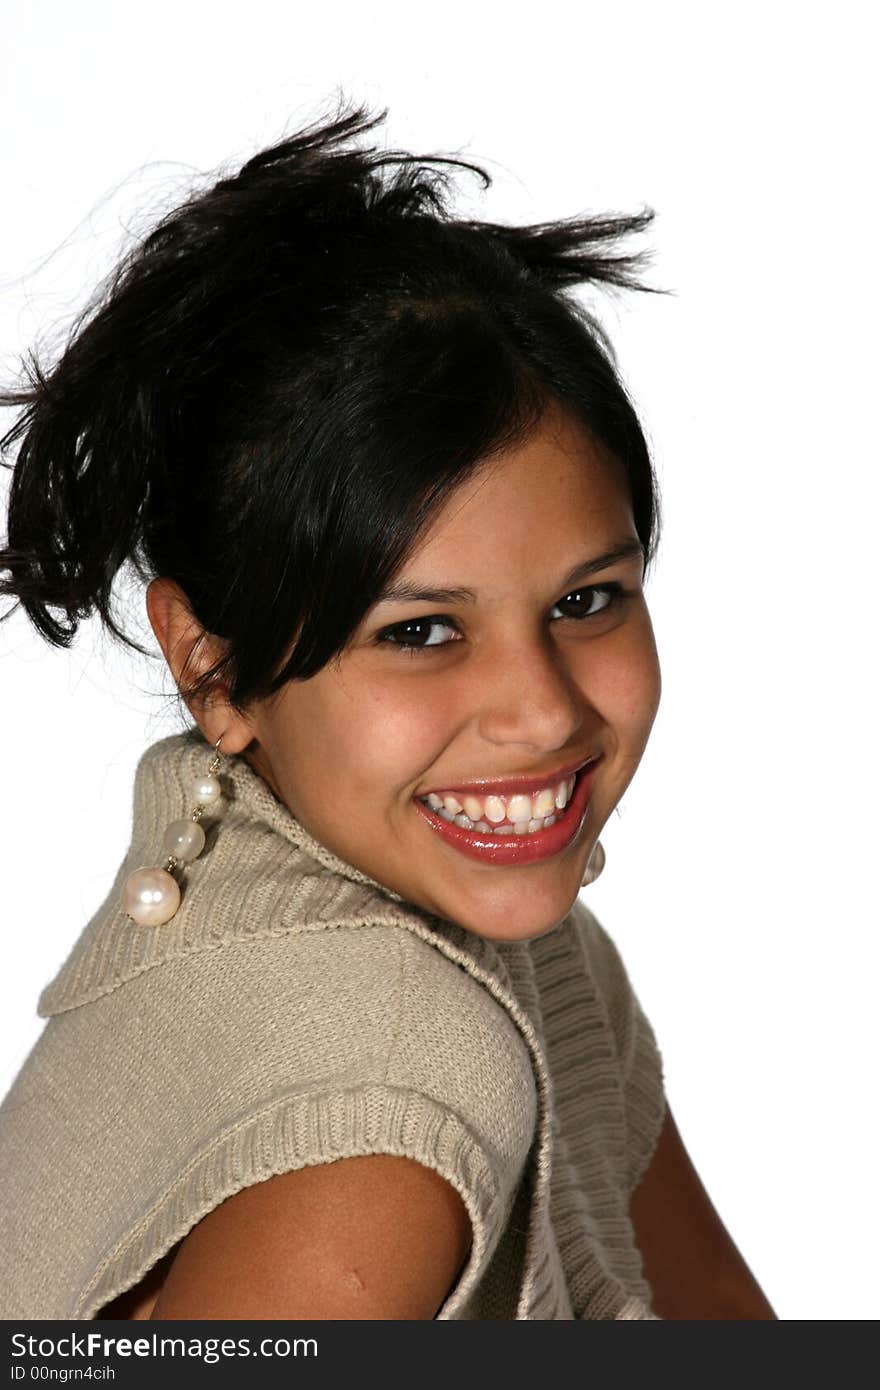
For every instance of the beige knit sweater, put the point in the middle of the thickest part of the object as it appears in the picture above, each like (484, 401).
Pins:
(294, 1011)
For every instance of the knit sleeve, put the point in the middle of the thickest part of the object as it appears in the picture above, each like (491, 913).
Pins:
(143, 1110)
(640, 1059)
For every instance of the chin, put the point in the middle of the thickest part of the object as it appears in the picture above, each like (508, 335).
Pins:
(517, 926)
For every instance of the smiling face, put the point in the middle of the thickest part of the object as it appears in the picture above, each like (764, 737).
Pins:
(532, 677)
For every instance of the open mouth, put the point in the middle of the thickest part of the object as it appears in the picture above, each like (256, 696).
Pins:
(515, 829)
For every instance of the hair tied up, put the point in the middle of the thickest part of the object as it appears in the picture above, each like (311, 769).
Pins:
(277, 386)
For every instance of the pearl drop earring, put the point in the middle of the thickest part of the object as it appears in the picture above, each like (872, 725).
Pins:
(595, 865)
(150, 897)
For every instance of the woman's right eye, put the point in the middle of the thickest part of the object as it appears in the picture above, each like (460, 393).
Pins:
(414, 635)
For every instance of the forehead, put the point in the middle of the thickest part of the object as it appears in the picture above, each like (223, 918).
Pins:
(558, 487)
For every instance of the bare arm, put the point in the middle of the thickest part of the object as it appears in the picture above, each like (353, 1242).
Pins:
(690, 1260)
(374, 1236)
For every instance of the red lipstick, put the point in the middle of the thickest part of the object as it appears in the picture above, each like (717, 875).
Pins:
(500, 850)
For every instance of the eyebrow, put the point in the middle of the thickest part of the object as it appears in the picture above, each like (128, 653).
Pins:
(404, 592)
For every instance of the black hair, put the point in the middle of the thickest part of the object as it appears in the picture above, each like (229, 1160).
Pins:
(272, 393)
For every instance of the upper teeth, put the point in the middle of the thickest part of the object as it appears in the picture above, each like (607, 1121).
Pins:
(518, 811)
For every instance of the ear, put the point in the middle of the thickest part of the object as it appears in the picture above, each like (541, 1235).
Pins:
(177, 632)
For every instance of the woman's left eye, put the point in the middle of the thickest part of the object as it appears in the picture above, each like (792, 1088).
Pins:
(612, 594)
(414, 635)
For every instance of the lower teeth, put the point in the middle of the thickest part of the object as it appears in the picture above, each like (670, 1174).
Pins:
(522, 827)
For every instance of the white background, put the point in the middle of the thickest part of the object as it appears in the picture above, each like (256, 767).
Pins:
(741, 880)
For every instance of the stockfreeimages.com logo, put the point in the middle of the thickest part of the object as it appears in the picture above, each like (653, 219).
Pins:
(95, 1345)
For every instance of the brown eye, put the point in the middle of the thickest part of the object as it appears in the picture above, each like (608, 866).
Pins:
(415, 633)
(584, 601)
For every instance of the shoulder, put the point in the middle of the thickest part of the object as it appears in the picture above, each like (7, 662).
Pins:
(422, 1141)
(228, 1066)
(312, 1001)
(369, 1236)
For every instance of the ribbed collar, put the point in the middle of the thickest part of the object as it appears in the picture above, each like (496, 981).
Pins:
(260, 871)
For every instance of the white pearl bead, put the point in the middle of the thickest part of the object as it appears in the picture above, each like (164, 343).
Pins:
(206, 789)
(150, 897)
(595, 865)
(185, 839)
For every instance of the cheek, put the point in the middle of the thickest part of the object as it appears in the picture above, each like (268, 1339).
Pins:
(623, 681)
(641, 683)
(387, 735)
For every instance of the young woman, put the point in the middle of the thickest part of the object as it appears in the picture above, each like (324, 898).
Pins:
(343, 1041)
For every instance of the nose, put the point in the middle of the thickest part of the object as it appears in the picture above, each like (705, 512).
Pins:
(528, 696)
